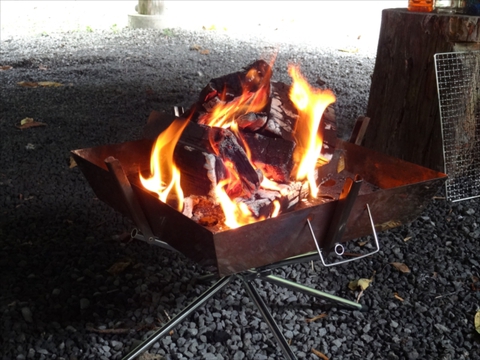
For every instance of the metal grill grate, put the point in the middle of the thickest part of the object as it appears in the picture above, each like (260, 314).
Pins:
(458, 82)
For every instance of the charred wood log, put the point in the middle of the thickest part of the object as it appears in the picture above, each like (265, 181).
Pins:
(224, 144)
(201, 171)
(262, 204)
(228, 148)
(274, 156)
(328, 132)
(283, 116)
(227, 88)
(252, 121)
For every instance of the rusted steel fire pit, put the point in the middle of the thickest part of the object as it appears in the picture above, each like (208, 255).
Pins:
(360, 192)
(396, 193)
(399, 191)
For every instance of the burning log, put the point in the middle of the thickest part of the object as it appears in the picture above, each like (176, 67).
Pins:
(201, 153)
(274, 156)
(248, 88)
(289, 195)
(227, 146)
(223, 143)
(239, 133)
(251, 121)
(328, 130)
(201, 170)
(283, 116)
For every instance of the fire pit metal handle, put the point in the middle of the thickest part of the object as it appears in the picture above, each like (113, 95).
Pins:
(348, 260)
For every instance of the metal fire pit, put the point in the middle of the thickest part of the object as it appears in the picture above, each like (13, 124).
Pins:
(396, 192)
(363, 185)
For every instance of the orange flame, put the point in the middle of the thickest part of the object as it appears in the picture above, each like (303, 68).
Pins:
(224, 114)
(236, 214)
(310, 103)
(162, 166)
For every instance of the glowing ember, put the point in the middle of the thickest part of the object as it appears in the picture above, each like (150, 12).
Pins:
(310, 103)
(162, 166)
(236, 214)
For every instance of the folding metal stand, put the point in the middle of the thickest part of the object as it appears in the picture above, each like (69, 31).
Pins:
(334, 234)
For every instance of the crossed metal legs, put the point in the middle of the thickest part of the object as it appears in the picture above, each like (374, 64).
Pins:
(247, 278)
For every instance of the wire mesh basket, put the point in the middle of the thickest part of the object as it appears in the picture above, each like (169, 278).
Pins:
(458, 83)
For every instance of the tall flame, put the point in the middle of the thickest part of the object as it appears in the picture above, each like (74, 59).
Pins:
(165, 176)
(310, 103)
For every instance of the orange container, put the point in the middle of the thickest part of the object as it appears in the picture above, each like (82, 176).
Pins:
(420, 5)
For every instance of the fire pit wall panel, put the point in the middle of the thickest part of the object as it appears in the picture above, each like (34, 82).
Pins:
(403, 191)
(133, 155)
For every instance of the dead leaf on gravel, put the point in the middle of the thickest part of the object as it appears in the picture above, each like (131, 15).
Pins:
(211, 27)
(199, 49)
(477, 321)
(407, 238)
(398, 297)
(28, 123)
(73, 163)
(148, 356)
(30, 84)
(5, 67)
(49, 84)
(363, 284)
(118, 267)
(401, 267)
(320, 354)
(315, 318)
(33, 84)
(351, 50)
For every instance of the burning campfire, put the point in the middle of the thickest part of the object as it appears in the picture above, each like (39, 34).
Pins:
(252, 174)
(247, 150)
(253, 177)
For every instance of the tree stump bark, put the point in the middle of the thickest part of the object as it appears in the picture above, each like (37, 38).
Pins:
(403, 102)
(150, 7)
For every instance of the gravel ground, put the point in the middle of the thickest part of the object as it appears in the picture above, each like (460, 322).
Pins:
(59, 300)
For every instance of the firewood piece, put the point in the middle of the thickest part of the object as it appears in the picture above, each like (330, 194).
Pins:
(274, 156)
(283, 115)
(253, 76)
(200, 171)
(251, 121)
(328, 126)
(295, 191)
(262, 203)
(224, 144)
(328, 131)
(227, 147)
(228, 87)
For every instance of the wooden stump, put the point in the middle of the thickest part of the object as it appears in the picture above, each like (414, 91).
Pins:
(150, 7)
(403, 102)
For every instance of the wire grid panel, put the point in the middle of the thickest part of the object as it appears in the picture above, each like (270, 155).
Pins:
(458, 82)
